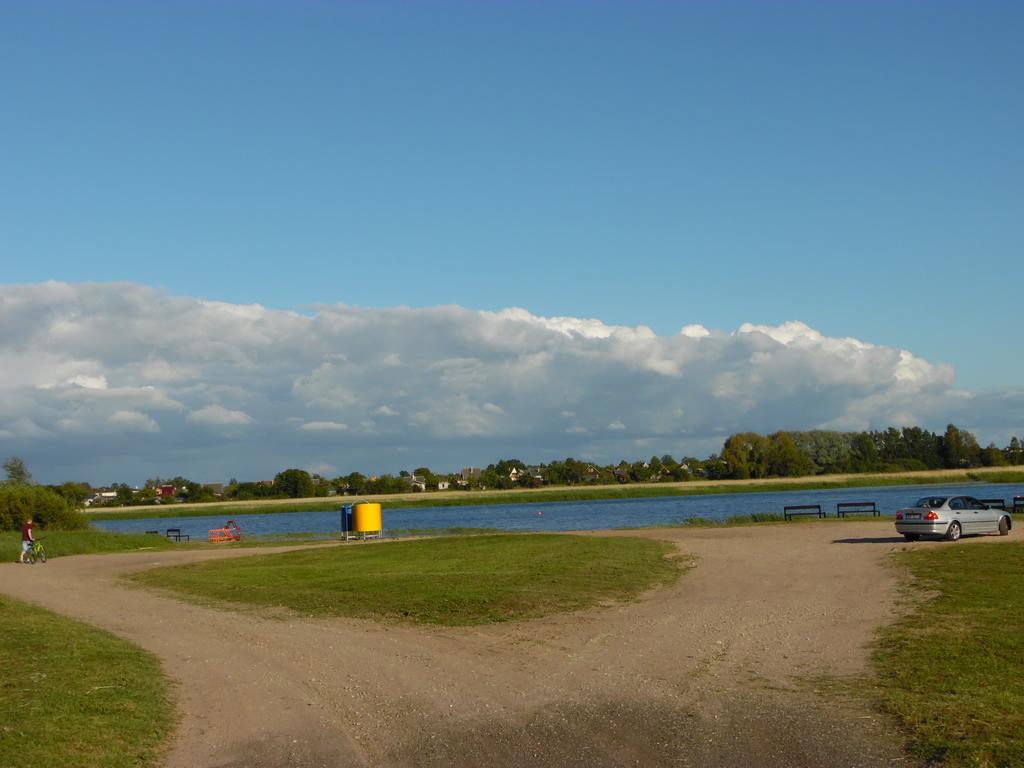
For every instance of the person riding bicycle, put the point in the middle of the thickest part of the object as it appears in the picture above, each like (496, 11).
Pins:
(27, 539)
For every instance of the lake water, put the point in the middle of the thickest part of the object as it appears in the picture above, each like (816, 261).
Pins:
(573, 515)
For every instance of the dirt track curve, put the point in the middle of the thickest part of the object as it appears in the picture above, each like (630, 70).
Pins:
(709, 672)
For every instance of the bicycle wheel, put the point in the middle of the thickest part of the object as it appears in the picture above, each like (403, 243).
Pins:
(42, 555)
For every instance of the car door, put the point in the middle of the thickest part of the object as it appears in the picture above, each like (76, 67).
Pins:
(987, 519)
(959, 512)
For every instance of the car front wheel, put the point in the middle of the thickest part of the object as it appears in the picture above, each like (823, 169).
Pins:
(954, 531)
(1004, 526)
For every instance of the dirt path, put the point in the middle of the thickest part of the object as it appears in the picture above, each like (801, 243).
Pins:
(709, 672)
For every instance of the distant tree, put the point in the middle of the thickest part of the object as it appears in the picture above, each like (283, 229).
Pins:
(293, 483)
(959, 448)
(993, 457)
(715, 467)
(746, 455)
(16, 471)
(863, 454)
(785, 459)
(124, 495)
(830, 451)
(74, 493)
(1014, 451)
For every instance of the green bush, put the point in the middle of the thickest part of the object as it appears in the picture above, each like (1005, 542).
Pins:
(19, 501)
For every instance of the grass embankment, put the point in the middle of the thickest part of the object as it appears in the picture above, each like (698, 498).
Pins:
(71, 695)
(953, 671)
(458, 581)
(574, 493)
(94, 542)
(89, 541)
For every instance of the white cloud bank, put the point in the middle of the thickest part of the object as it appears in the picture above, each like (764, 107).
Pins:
(120, 381)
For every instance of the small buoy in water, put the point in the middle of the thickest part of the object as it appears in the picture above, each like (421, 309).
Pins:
(540, 514)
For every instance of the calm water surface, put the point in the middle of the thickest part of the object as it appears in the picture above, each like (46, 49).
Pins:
(574, 515)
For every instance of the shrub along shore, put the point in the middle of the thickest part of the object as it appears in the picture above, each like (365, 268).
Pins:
(567, 493)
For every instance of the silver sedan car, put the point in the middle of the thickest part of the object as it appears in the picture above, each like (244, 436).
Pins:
(951, 517)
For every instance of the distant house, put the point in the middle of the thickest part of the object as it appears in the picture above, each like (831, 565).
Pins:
(165, 492)
(216, 488)
(443, 485)
(415, 482)
(468, 473)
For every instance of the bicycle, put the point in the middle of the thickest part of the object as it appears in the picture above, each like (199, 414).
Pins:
(35, 552)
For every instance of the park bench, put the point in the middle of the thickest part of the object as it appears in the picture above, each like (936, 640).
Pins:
(844, 508)
(155, 533)
(994, 503)
(1018, 504)
(791, 511)
(175, 534)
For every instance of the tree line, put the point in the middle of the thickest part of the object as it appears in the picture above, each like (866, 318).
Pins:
(744, 455)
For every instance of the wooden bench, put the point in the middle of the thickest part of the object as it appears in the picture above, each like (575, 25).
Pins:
(844, 508)
(1018, 504)
(791, 511)
(175, 534)
(994, 503)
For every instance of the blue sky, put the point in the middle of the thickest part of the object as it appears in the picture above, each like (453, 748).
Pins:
(855, 166)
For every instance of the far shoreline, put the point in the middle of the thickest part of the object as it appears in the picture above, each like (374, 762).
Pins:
(1011, 474)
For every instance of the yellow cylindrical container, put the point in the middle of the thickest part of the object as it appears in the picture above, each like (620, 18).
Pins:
(367, 518)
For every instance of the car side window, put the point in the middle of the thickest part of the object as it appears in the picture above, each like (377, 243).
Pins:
(956, 503)
(973, 503)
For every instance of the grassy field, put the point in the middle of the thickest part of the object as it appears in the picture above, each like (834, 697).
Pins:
(456, 581)
(574, 493)
(96, 542)
(953, 671)
(75, 696)
(89, 541)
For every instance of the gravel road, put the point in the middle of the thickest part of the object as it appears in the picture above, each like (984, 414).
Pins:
(713, 671)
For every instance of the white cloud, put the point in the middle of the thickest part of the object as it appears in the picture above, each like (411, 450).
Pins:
(219, 415)
(88, 382)
(695, 331)
(133, 421)
(324, 426)
(470, 386)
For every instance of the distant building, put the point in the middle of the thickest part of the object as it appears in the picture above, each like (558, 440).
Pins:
(416, 482)
(165, 492)
(442, 485)
(217, 488)
(468, 473)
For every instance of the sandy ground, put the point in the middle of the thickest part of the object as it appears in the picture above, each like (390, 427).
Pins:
(716, 670)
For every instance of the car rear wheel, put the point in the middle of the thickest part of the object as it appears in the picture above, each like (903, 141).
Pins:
(1004, 526)
(911, 536)
(954, 531)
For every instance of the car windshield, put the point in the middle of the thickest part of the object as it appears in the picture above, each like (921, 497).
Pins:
(931, 502)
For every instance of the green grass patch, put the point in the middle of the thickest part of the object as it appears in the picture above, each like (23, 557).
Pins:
(452, 531)
(953, 671)
(89, 541)
(754, 518)
(447, 581)
(72, 695)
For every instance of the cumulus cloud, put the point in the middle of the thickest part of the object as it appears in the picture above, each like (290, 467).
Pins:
(215, 390)
(324, 426)
(218, 415)
(133, 421)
